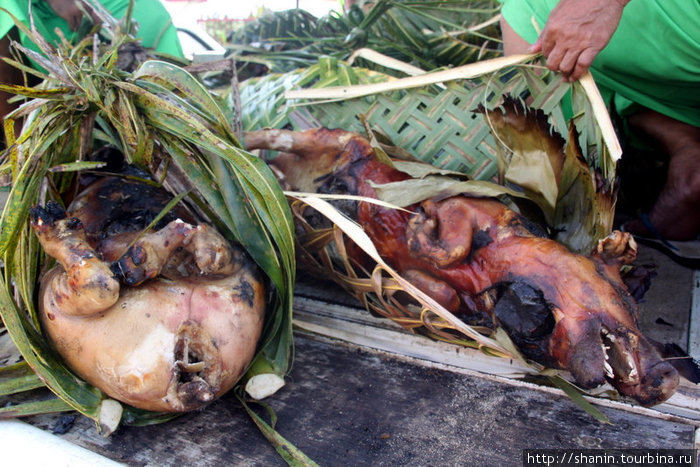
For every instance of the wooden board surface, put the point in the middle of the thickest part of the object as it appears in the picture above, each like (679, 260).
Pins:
(344, 405)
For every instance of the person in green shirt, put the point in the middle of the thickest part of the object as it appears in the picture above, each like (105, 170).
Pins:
(645, 57)
(155, 29)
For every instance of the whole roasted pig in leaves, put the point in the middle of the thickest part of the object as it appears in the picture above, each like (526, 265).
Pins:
(488, 265)
(165, 320)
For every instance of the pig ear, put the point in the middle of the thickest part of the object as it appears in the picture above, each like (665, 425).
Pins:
(442, 233)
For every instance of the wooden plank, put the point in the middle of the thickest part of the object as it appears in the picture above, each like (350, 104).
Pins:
(360, 330)
(694, 333)
(19, 442)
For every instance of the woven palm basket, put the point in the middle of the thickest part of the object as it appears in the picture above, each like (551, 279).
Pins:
(435, 117)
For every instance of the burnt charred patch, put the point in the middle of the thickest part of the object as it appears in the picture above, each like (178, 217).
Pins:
(127, 270)
(128, 207)
(245, 292)
(48, 214)
(341, 183)
(534, 228)
(74, 224)
(523, 312)
(114, 204)
(480, 239)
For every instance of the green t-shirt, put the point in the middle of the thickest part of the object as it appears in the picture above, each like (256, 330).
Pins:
(653, 59)
(155, 27)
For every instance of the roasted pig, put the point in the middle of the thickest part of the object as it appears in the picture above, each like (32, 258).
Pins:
(165, 320)
(489, 265)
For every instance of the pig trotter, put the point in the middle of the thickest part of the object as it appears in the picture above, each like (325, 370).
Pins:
(149, 255)
(212, 253)
(618, 248)
(48, 214)
(85, 283)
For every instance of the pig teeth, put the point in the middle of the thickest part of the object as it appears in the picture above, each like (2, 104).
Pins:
(195, 367)
(606, 366)
(633, 373)
(633, 367)
(608, 369)
(608, 335)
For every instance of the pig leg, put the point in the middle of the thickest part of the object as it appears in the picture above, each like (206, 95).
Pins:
(149, 255)
(86, 285)
(617, 249)
(613, 252)
(438, 290)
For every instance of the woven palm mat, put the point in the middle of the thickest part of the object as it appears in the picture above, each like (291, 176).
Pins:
(436, 123)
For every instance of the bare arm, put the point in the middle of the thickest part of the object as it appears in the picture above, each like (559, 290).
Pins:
(576, 32)
(68, 10)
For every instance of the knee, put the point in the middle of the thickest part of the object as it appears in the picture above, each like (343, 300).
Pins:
(692, 186)
(513, 43)
(683, 176)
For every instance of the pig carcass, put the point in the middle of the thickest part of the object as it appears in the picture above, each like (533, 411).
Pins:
(489, 266)
(165, 319)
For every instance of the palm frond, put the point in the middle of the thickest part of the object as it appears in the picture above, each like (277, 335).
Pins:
(429, 35)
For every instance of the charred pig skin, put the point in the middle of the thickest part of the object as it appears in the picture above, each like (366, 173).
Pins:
(164, 320)
(484, 262)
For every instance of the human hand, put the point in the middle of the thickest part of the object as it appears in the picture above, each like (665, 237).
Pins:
(576, 32)
(68, 10)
